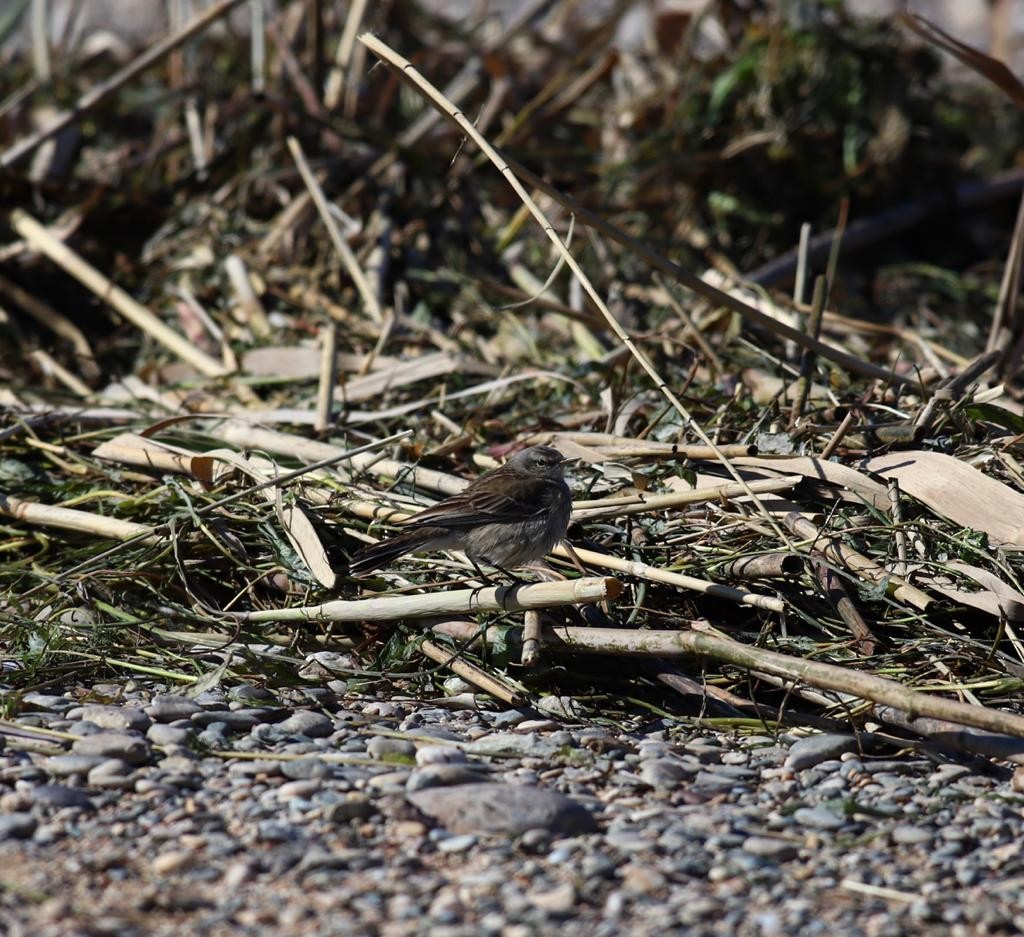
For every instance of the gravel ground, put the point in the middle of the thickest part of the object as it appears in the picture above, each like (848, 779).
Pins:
(359, 816)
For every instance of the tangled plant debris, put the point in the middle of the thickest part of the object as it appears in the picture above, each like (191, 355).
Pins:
(759, 275)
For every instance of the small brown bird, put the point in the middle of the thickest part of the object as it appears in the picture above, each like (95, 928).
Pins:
(508, 517)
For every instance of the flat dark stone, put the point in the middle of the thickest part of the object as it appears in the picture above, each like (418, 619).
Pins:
(502, 808)
(59, 795)
(17, 825)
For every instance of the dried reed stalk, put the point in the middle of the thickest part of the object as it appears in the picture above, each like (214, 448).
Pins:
(471, 673)
(49, 515)
(839, 553)
(370, 302)
(530, 652)
(139, 316)
(642, 504)
(626, 444)
(516, 598)
(837, 595)
(916, 705)
(764, 566)
(654, 574)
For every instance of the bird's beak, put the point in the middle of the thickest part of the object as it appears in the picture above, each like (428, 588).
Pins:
(569, 460)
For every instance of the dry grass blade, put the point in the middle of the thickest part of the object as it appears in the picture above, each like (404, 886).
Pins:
(370, 301)
(986, 66)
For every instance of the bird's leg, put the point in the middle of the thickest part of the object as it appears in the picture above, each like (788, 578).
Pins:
(516, 581)
(574, 556)
(487, 579)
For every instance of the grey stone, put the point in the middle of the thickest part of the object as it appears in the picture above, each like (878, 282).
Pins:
(214, 736)
(653, 748)
(445, 776)
(119, 718)
(735, 772)
(511, 743)
(298, 789)
(47, 701)
(162, 734)
(112, 773)
(17, 825)
(247, 693)
(535, 840)
(129, 748)
(766, 847)
(61, 766)
(265, 734)
(318, 858)
(714, 781)
(306, 722)
(455, 844)
(305, 769)
(170, 708)
(390, 781)
(818, 818)
(348, 810)
(59, 795)
(231, 720)
(665, 773)
(385, 748)
(564, 707)
(438, 732)
(506, 719)
(257, 766)
(813, 750)
(274, 831)
(439, 755)
(557, 901)
(708, 751)
(628, 841)
(502, 808)
(211, 700)
(908, 835)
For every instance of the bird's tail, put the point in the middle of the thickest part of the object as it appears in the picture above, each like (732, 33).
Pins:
(380, 554)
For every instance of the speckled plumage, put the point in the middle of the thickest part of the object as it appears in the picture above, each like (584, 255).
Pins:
(508, 517)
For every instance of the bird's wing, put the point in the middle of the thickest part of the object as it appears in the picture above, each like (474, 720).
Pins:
(471, 508)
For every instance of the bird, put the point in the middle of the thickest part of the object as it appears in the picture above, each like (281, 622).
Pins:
(508, 517)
